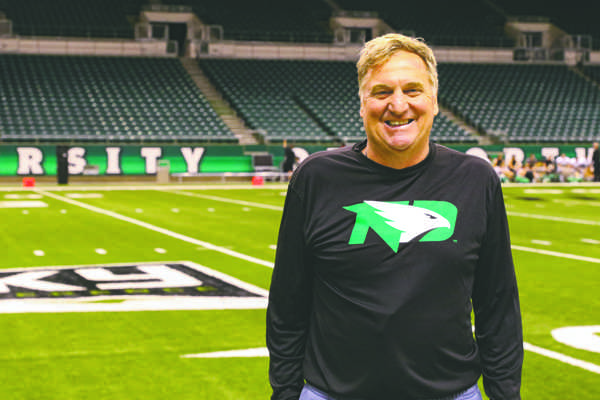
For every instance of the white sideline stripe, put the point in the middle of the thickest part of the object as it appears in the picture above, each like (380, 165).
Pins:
(562, 358)
(155, 228)
(226, 200)
(557, 254)
(552, 218)
(256, 352)
(108, 188)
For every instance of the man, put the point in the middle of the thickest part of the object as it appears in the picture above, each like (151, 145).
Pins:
(384, 249)
(289, 158)
(596, 162)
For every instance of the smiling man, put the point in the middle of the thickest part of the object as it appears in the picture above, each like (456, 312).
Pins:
(398, 104)
(385, 248)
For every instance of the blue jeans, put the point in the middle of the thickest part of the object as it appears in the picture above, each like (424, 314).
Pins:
(311, 393)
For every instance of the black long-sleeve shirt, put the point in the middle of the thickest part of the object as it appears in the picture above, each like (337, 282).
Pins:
(376, 274)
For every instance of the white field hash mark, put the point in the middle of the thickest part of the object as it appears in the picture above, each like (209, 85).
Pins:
(541, 242)
(22, 204)
(155, 228)
(590, 241)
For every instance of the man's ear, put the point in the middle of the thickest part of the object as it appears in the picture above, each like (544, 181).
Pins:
(362, 109)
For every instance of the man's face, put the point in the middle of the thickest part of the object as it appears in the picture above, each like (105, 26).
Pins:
(398, 105)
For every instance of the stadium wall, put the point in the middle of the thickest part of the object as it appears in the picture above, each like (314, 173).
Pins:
(87, 47)
(243, 49)
(91, 160)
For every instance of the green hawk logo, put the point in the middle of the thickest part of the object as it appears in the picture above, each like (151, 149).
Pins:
(400, 222)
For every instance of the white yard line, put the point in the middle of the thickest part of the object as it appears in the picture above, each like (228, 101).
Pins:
(158, 229)
(255, 352)
(263, 352)
(552, 218)
(556, 254)
(233, 201)
(562, 358)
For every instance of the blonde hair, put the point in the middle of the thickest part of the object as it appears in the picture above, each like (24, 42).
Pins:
(378, 51)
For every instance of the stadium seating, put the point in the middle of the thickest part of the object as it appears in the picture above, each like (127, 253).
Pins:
(265, 20)
(301, 100)
(440, 23)
(61, 98)
(575, 17)
(66, 98)
(593, 72)
(523, 103)
(72, 18)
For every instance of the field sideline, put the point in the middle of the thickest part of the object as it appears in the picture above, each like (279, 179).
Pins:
(217, 243)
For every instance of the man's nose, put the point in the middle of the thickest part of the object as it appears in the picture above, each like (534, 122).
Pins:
(398, 102)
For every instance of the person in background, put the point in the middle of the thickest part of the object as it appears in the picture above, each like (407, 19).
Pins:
(564, 167)
(499, 165)
(529, 168)
(289, 158)
(514, 166)
(385, 247)
(596, 161)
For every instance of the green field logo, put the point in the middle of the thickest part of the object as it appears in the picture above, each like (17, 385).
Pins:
(401, 222)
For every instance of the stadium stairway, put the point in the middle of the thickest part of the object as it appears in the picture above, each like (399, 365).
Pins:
(584, 73)
(218, 103)
(464, 125)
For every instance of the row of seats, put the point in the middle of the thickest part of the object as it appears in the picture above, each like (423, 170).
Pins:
(523, 102)
(132, 99)
(73, 18)
(593, 72)
(574, 17)
(103, 99)
(265, 20)
(441, 23)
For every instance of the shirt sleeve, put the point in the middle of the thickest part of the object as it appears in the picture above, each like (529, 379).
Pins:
(289, 306)
(498, 328)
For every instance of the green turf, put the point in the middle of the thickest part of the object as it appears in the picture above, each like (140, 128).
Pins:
(136, 355)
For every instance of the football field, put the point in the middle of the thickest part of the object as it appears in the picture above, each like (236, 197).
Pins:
(159, 292)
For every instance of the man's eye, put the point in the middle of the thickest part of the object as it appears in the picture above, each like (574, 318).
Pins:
(381, 93)
(412, 92)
